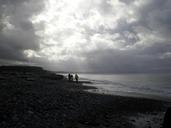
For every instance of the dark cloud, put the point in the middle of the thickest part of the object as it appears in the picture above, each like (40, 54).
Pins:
(127, 1)
(127, 61)
(17, 32)
(104, 36)
(155, 15)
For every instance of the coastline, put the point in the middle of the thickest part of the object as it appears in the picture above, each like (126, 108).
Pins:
(129, 94)
(39, 98)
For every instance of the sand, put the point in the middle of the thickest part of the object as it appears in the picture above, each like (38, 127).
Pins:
(31, 97)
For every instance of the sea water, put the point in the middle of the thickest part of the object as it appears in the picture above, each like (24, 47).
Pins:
(145, 85)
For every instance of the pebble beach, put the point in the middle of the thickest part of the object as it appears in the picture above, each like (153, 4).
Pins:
(31, 97)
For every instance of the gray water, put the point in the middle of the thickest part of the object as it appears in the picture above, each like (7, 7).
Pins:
(153, 85)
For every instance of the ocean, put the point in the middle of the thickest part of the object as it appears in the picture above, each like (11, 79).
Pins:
(157, 86)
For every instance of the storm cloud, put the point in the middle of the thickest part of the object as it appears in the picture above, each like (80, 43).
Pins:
(116, 36)
(17, 31)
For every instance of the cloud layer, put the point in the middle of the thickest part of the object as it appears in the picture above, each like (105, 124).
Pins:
(17, 32)
(84, 35)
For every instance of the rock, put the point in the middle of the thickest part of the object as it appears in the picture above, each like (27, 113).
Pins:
(3, 122)
(15, 118)
(30, 112)
(133, 120)
(23, 126)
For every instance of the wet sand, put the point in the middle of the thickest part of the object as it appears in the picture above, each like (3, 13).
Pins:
(31, 97)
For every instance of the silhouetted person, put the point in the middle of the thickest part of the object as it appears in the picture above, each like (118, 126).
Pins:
(69, 77)
(167, 119)
(76, 78)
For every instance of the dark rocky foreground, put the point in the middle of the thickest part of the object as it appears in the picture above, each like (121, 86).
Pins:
(31, 97)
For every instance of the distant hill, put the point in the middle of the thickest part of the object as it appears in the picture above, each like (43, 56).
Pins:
(21, 68)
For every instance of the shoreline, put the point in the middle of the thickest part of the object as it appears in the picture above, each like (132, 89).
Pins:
(86, 86)
(39, 98)
(98, 90)
(129, 94)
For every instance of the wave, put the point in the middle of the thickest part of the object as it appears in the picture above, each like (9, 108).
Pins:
(135, 86)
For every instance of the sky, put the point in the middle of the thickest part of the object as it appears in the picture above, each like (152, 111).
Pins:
(106, 36)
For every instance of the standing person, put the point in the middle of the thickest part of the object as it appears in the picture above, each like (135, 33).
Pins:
(76, 78)
(69, 77)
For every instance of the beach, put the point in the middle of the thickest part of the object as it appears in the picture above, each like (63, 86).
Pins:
(31, 97)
